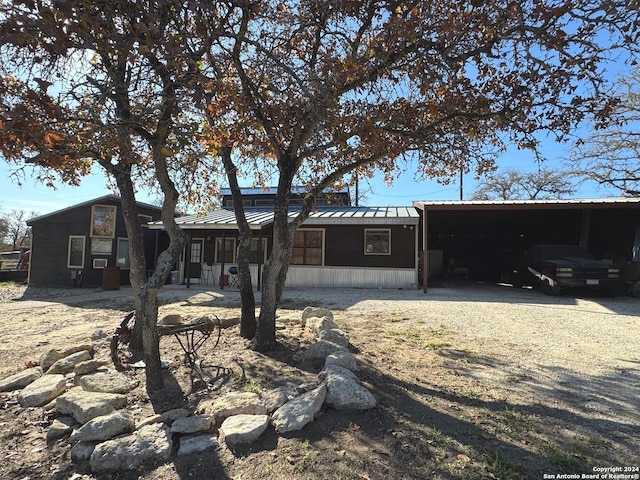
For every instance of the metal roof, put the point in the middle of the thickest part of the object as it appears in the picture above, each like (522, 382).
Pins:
(621, 202)
(260, 217)
(105, 198)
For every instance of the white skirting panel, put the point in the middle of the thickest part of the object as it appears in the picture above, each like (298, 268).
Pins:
(342, 277)
(353, 277)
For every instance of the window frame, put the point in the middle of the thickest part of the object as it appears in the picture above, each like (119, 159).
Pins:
(84, 250)
(96, 222)
(322, 248)
(370, 231)
(99, 246)
(234, 250)
(264, 251)
(127, 266)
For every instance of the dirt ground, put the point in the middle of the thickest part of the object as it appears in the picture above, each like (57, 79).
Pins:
(472, 382)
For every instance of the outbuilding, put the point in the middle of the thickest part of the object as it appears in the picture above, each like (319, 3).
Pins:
(484, 239)
(86, 245)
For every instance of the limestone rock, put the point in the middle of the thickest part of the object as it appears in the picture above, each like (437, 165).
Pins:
(317, 312)
(296, 413)
(48, 358)
(149, 445)
(20, 379)
(315, 325)
(197, 423)
(322, 349)
(275, 398)
(42, 391)
(86, 347)
(88, 366)
(234, 403)
(342, 359)
(306, 387)
(171, 416)
(61, 427)
(84, 406)
(104, 427)
(243, 429)
(197, 443)
(81, 452)
(66, 364)
(344, 390)
(334, 335)
(108, 382)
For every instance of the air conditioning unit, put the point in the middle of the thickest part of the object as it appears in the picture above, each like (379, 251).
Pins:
(100, 263)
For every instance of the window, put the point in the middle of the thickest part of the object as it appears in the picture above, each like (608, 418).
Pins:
(103, 221)
(122, 254)
(229, 250)
(75, 255)
(377, 242)
(196, 251)
(101, 246)
(253, 254)
(307, 247)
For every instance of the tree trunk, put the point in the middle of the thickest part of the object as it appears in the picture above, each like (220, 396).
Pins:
(248, 311)
(145, 333)
(145, 290)
(273, 279)
(147, 316)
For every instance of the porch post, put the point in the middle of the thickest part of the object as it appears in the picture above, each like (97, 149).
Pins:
(259, 259)
(187, 256)
(224, 248)
(425, 251)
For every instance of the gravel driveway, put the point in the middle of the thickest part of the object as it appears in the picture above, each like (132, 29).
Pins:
(527, 371)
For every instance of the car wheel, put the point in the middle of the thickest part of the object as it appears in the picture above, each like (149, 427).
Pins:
(549, 289)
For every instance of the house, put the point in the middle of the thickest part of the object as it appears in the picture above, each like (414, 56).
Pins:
(486, 238)
(338, 246)
(74, 246)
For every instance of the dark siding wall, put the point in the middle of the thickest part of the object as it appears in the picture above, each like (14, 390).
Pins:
(50, 246)
(51, 242)
(344, 246)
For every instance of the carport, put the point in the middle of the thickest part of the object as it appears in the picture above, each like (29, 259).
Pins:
(486, 238)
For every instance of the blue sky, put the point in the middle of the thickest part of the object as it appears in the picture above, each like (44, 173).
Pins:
(34, 197)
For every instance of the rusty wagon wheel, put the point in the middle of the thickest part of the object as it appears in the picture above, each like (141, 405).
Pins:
(122, 335)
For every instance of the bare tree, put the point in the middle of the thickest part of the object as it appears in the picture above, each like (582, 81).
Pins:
(611, 156)
(17, 234)
(510, 184)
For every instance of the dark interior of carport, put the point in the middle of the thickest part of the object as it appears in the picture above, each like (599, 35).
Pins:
(489, 241)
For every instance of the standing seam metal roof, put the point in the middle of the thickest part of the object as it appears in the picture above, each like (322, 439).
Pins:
(261, 217)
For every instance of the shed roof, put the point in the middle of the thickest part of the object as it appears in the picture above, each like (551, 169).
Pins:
(95, 201)
(618, 202)
(259, 217)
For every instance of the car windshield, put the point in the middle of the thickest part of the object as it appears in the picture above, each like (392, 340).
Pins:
(558, 251)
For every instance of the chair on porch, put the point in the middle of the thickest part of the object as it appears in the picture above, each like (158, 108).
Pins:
(234, 280)
(206, 273)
